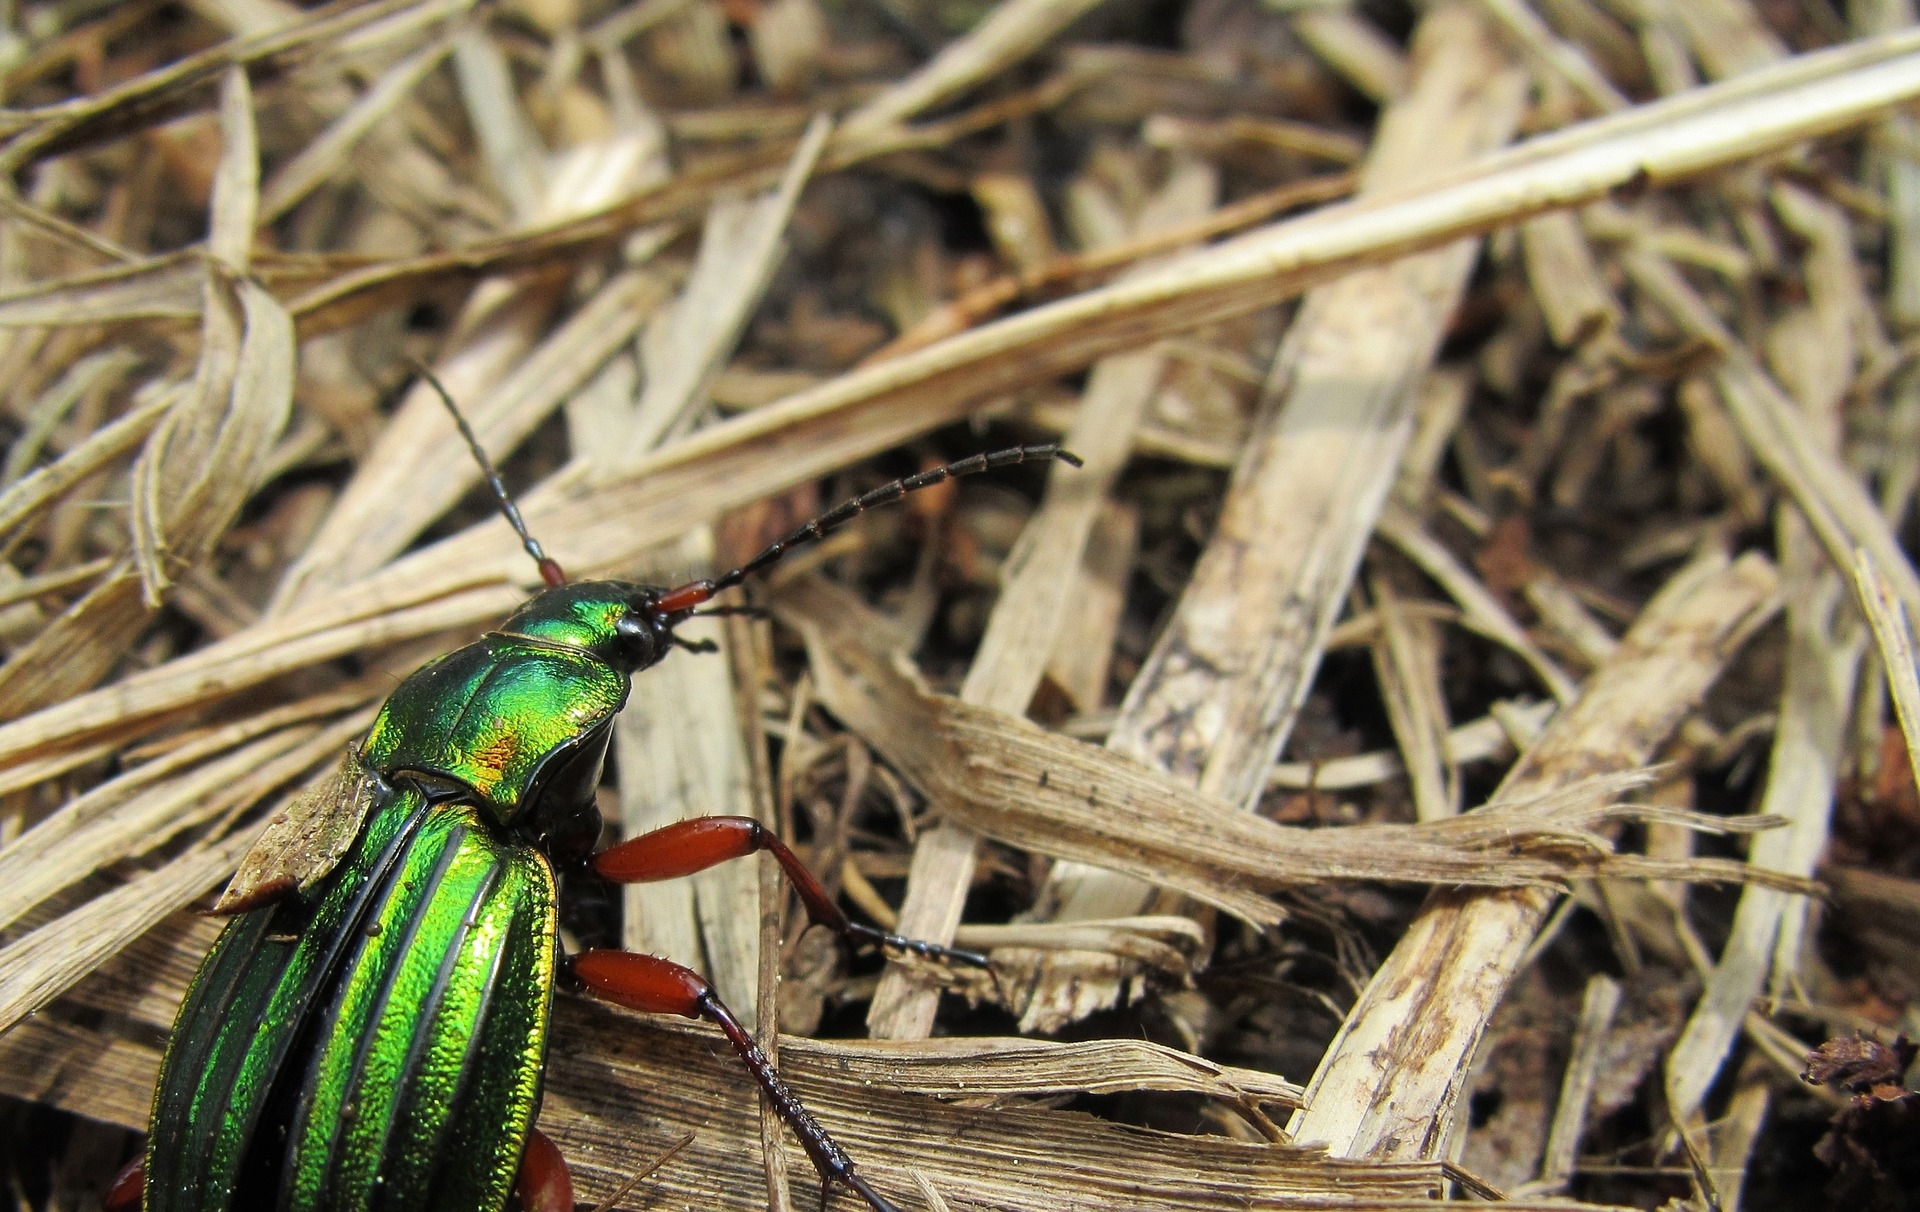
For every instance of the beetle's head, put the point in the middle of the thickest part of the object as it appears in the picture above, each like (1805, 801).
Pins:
(631, 626)
(626, 625)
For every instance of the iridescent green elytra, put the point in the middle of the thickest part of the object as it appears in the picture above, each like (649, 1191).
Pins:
(376, 1042)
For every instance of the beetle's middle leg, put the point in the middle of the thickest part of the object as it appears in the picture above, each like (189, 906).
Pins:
(689, 846)
(645, 982)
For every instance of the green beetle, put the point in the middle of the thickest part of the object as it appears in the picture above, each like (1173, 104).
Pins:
(371, 1035)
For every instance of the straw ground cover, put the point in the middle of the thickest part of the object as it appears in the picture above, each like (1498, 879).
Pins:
(1453, 737)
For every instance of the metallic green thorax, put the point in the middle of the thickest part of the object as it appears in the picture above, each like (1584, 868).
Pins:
(494, 714)
(584, 616)
(376, 1042)
(491, 716)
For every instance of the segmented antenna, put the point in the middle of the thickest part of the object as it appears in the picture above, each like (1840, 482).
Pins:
(693, 593)
(549, 568)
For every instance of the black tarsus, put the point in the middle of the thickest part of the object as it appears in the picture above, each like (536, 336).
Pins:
(830, 521)
(913, 946)
(549, 568)
(830, 1161)
(859, 1185)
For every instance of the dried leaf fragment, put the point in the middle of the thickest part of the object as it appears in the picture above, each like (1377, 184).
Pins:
(1866, 1068)
(305, 839)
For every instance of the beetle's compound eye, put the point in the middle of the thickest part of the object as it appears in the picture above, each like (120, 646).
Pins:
(640, 638)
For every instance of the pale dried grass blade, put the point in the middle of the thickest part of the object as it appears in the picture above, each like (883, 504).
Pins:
(1597, 1007)
(1012, 781)
(1727, 36)
(166, 287)
(1030, 614)
(1824, 648)
(1575, 297)
(1662, 42)
(212, 450)
(1385, 1089)
(209, 454)
(125, 822)
(1893, 634)
(504, 374)
(1563, 616)
(203, 459)
(1165, 941)
(1553, 56)
(1715, 442)
(330, 152)
(1482, 611)
(935, 1201)
(1439, 404)
(1490, 736)
(1738, 1131)
(539, 381)
(88, 379)
(629, 21)
(1406, 663)
(1354, 48)
(24, 589)
(1836, 288)
(39, 770)
(1011, 32)
(1082, 657)
(166, 91)
(39, 488)
(680, 754)
(868, 410)
(1010, 1159)
(1220, 691)
(748, 674)
(1844, 518)
(510, 149)
(236, 182)
(689, 342)
(679, 741)
(44, 964)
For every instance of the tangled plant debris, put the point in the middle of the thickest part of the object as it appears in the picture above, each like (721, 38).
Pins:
(1454, 737)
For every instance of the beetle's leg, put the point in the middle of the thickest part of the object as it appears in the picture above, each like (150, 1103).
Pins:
(689, 846)
(128, 1187)
(644, 982)
(545, 1184)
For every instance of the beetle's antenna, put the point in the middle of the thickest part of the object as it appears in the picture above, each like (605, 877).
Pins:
(549, 568)
(693, 593)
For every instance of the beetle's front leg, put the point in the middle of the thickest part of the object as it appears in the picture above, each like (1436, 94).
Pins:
(644, 982)
(689, 846)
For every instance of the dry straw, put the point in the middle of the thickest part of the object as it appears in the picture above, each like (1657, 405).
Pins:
(648, 256)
